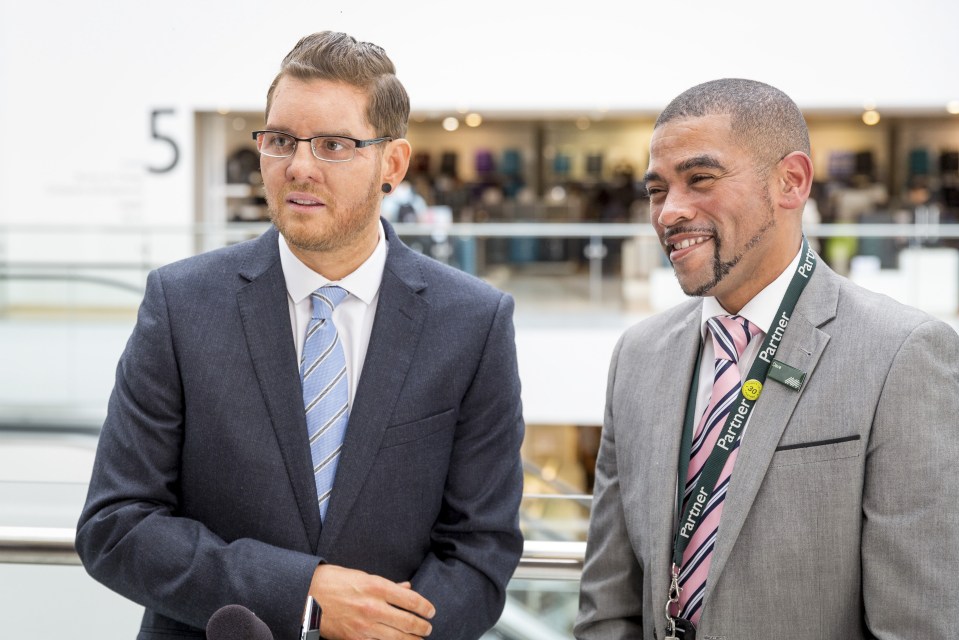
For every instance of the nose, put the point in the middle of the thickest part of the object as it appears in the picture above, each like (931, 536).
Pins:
(673, 209)
(303, 165)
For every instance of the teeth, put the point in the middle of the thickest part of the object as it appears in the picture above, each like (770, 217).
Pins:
(685, 244)
(303, 201)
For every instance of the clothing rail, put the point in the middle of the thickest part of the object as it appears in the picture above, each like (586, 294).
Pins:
(542, 560)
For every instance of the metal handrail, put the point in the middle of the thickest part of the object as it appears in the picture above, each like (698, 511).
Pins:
(503, 229)
(551, 560)
(37, 545)
(541, 560)
(593, 232)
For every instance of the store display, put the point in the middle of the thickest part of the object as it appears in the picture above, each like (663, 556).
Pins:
(484, 162)
(512, 163)
(918, 163)
(558, 172)
(949, 162)
(594, 165)
(448, 164)
(243, 167)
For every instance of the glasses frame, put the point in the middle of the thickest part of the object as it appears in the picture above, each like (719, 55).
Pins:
(357, 143)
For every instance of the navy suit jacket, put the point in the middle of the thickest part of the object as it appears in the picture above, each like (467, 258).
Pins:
(202, 492)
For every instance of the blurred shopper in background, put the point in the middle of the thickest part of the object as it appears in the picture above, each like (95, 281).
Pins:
(809, 425)
(323, 350)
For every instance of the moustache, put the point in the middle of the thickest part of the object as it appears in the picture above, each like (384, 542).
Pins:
(675, 231)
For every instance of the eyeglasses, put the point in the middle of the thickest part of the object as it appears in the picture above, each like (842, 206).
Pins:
(328, 148)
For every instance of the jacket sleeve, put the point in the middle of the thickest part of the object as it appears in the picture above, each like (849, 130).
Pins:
(132, 536)
(476, 541)
(910, 535)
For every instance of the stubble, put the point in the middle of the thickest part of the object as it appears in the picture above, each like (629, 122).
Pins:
(347, 226)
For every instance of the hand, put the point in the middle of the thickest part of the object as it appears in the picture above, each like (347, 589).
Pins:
(359, 605)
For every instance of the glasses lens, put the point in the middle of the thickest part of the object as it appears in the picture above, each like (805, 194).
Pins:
(334, 149)
(278, 145)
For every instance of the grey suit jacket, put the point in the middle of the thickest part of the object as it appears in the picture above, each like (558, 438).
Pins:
(842, 517)
(203, 495)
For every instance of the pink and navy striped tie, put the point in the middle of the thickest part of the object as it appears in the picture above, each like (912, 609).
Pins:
(730, 336)
(325, 391)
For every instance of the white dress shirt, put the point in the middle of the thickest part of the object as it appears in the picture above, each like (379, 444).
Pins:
(353, 317)
(761, 311)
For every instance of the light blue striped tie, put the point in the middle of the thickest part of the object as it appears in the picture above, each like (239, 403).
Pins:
(325, 390)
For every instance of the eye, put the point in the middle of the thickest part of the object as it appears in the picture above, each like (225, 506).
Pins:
(700, 178)
(332, 144)
(278, 142)
(654, 192)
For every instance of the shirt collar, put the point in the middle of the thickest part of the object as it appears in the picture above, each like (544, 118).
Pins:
(761, 310)
(363, 283)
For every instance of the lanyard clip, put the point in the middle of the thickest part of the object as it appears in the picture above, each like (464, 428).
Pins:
(673, 598)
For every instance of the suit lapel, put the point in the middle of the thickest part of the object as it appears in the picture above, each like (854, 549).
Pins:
(397, 327)
(801, 347)
(682, 346)
(264, 311)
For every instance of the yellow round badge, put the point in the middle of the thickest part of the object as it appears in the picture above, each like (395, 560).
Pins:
(752, 389)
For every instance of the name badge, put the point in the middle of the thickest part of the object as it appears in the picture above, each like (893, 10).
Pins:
(789, 376)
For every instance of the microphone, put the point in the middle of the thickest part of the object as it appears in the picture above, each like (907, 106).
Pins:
(236, 622)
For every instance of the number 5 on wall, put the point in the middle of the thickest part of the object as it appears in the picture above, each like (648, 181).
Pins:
(156, 135)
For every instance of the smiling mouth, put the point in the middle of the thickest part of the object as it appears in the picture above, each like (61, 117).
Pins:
(687, 242)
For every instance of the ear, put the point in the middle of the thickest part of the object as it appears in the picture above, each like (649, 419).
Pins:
(396, 160)
(794, 177)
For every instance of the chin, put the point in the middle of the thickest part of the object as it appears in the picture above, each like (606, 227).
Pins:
(300, 233)
(309, 240)
(696, 287)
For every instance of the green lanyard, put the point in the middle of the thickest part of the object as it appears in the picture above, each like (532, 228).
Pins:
(738, 414)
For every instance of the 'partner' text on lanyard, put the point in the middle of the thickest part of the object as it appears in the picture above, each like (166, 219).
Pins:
(736, 420)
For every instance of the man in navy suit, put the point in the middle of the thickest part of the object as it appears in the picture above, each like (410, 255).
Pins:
(203, 491)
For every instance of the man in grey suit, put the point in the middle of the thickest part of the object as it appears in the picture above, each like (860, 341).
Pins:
(203, 491)
(822, 484)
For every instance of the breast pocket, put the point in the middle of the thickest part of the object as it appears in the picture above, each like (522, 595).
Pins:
(412, 431)
(788, 454)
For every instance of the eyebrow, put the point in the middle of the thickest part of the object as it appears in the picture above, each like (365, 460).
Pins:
(696, 162)
(343, 133)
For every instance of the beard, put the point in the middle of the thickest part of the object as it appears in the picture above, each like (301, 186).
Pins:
(722, 268)
(340, 225)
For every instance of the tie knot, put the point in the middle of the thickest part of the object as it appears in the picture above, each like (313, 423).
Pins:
(731, 334)
(325, 300)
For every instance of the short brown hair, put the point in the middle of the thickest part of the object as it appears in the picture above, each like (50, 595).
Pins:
(339, 57)
(763, 118)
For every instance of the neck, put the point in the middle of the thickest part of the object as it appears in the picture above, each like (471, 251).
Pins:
(734, 301)
(336, 264)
